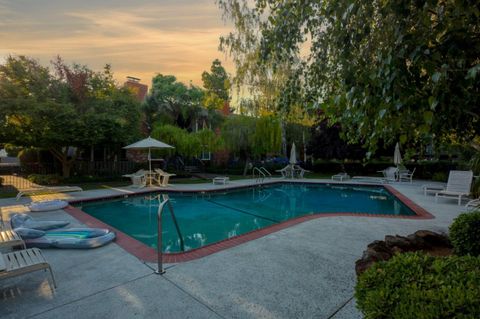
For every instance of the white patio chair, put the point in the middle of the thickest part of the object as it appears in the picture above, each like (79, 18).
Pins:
(164, 176)
(406, 175)
(390, 174)
(340, 177)
(22, 262)
(458, 185)
(286, 171)
(220, 180)
(138, 179)
(473, 204)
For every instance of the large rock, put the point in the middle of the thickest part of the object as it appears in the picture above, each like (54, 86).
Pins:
(384, 250)
(433, 239)
(400, 243)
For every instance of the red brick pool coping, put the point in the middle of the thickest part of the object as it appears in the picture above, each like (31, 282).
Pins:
(148, 254)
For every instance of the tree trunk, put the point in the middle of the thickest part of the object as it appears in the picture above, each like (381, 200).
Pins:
(92, 154)
(284, 139)
(62, 156)
(66, 168)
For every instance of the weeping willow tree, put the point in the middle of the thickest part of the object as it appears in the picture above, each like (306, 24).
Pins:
(250, 137)
(268, 136)
(387, 70)
(188, 144)
(272, 84)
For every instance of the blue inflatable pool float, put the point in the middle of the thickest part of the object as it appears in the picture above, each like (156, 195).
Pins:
(72, 238)
(25, 221)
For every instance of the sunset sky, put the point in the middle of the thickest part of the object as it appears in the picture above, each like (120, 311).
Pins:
(138, 38)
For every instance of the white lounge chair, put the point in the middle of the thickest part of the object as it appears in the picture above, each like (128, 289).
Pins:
(432, 188)
(340, 177)
(220, 180)
(458, 185)
(474, 203)
(21, 262)
(40, 190)
(390, 174)
(9, 239)
(164, 177)
(300, 171)
(406, 175)
(138, 179)
(286, 171)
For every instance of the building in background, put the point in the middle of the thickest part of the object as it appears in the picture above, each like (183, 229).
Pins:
(140, 90)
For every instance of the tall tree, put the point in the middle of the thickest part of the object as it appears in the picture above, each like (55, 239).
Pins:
(217, 86)
(172, 102)
(74, 108)
(386, 70)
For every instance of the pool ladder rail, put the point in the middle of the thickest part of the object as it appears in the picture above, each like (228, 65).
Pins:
(262, 174)
(165, 201)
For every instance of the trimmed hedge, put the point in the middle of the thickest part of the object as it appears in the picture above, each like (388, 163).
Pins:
(465, 234)
(415, 285)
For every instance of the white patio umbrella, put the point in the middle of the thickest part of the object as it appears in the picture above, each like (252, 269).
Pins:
(397, 157)
(293, 155)
(148, 143)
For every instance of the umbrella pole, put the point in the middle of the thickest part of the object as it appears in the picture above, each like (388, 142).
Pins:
(150, 165)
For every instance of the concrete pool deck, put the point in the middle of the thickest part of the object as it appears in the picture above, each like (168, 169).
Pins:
(304, 271)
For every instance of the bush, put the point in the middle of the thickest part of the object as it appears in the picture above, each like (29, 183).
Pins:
(45, 179)
(415, 285)
(439, 177)
(465, 234)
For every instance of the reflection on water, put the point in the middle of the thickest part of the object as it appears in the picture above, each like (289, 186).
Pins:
(210, 217)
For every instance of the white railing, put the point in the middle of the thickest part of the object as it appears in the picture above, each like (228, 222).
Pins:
(166, 200)
(261, 175)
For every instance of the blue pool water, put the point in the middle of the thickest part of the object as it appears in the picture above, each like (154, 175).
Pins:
(210, 217)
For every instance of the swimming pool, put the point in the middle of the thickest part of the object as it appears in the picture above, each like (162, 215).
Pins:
(209, 217)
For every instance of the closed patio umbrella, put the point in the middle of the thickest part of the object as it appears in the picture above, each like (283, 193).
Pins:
(293, 155)
(397, 157)
(148, 143)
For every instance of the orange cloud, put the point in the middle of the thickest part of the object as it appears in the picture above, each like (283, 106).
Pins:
(137, 38)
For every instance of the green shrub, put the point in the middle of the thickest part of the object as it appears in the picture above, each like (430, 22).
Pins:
(439, 177)
(45, 179)
(465, 234)
(415, 285)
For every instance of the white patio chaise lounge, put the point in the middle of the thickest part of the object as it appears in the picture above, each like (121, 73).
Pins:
(458, 185)
(286, 171)
(8, 238)
(300, 171)
(220, 180)
(432, 188)
(340, 177)
(390, 174)
(40, 190)
(22, 262)
(474, 203)
(164, 177)
(138, 179)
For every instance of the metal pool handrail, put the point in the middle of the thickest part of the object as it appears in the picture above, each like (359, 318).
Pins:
(261, 175)
(263, 169)
(166, 200)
